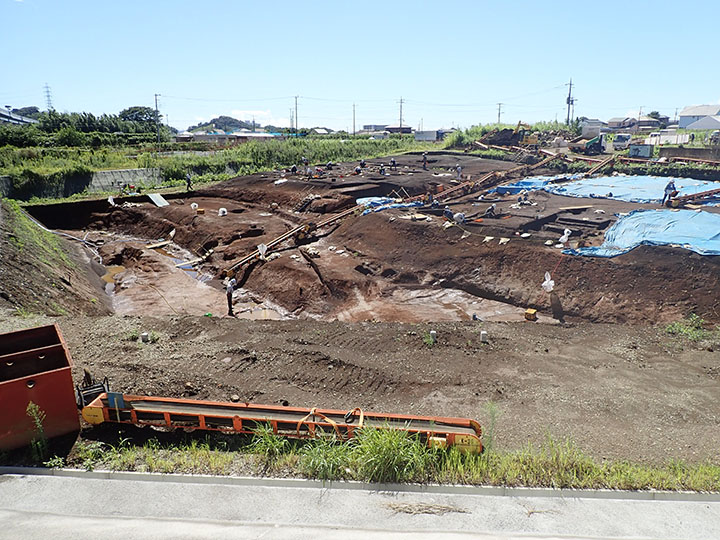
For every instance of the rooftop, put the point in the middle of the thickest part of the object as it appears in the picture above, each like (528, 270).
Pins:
(701, 110)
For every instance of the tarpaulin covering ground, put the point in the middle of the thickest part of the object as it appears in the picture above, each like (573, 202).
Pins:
(693, 230)
(378, 204)
(638, 189)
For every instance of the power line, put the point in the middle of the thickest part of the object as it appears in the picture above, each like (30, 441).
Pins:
(225, 100)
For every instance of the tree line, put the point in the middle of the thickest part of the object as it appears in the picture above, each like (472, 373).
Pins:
(134, 125)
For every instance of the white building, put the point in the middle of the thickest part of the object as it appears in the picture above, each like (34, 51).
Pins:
(697, 112)
(708, 122)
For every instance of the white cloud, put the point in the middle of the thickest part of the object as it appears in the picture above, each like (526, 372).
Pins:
(264, 117)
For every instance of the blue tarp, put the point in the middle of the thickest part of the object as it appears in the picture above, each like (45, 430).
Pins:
(638, 189)
(693, 230)
(378, 204)
(529, 184)
(374, 201)
(393, 205)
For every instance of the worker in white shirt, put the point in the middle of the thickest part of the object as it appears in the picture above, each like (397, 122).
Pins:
(230, 289)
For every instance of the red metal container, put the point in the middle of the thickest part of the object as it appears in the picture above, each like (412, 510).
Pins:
(35, 366)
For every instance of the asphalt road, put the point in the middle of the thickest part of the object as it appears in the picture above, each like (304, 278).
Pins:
(37, 506)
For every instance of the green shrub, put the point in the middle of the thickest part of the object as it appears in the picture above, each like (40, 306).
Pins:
(691, 328)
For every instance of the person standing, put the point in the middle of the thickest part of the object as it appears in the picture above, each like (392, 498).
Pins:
(425, 161)
(458, 169)
(188, 182)
(670, 191)
(230, 289)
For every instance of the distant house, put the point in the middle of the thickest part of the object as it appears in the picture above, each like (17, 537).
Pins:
(708, 122)
(399, 129)
(648, 123)
(374, 127)
(224, 139)
(621, 123)
(697, 112)
(320, 131)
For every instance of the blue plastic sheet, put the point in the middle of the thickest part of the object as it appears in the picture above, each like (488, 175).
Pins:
(638, 189)
(696, 231)
(380, 208)
(529, 184)
(374, 201)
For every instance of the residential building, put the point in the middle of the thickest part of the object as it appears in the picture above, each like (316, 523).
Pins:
(696, 112)
(708, 122)
(621, 123)
(399, 129)
(648, 123)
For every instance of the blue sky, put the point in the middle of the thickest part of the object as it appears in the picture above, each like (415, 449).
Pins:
(451, 61)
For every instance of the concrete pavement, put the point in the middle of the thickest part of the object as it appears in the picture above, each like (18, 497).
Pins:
(126, 506)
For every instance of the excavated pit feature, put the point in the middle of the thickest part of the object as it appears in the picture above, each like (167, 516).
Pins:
(387, 267)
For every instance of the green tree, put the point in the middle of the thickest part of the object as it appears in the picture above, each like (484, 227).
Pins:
(142, 115)
(69, 136)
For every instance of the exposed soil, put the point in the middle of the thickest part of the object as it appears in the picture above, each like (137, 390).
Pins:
(32, 280)
(372, 267)
(623, 392)
(359, 295)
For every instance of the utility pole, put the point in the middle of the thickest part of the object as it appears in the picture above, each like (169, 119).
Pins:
(296, 116)
(401, 104)
(157, 119)
(570, 102)
(499, 111)
(292, 120)
(353, 119)
(48, 98)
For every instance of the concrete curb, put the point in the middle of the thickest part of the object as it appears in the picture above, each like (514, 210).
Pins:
(497, 491)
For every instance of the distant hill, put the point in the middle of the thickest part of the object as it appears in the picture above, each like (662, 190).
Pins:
(225, 123)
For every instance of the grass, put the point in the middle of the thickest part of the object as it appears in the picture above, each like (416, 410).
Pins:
(39, 443)
(27, 235)
(693, 328)
(391, 456)
(38, 172)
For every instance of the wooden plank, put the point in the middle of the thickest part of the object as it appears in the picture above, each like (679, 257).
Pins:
(190, 262)
(576, 207)
(158, 244)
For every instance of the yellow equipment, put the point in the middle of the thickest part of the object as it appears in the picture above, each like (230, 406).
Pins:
(525, 135)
